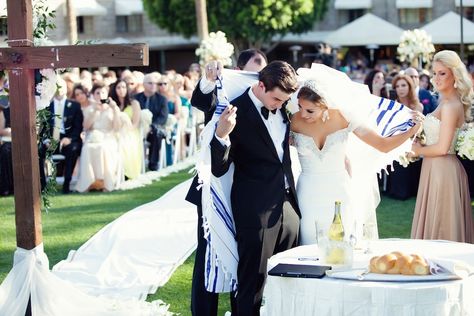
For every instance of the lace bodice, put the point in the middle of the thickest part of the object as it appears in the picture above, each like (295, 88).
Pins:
(431, 128)
(330, 158)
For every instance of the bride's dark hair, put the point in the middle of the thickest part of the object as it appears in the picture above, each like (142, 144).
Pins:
(310, 95)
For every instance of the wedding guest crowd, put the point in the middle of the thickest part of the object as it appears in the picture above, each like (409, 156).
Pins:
(109, 127)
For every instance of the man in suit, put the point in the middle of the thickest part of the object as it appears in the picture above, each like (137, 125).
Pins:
(157, 104)
(204, 303)
(425, 97)
(66, 128)
(252, 133)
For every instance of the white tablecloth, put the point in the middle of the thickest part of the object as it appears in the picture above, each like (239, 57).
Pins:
(329, 296)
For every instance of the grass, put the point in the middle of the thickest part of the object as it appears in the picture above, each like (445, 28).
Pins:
(75, 218)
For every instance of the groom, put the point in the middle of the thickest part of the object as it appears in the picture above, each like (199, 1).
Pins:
(253, 133)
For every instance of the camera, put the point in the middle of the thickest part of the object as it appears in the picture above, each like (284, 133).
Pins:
(105, 101)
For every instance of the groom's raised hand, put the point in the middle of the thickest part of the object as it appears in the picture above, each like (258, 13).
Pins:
(226, 122)
(213, 70)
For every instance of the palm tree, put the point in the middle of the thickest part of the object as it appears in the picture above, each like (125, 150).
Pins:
(201, 18)
(71, 22)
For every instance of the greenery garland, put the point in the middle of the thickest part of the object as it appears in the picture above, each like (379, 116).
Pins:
(42, 16)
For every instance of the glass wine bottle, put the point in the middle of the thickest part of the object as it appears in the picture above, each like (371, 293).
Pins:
(336, 252)
(336, 230)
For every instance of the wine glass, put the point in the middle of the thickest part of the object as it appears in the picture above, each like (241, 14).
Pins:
(369, 233)
(319, 232)
(352, 236)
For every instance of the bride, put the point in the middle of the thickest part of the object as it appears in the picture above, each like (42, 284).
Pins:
(321, 132)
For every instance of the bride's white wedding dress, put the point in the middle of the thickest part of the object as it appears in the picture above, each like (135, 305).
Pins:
(323, 180)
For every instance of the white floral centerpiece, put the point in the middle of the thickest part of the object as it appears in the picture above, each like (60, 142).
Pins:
(416, 47)
(465, 142)
(215, 47)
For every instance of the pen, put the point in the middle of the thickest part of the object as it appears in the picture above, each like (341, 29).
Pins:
(308, 259)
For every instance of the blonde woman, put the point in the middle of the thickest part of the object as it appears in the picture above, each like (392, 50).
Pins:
(443, 206)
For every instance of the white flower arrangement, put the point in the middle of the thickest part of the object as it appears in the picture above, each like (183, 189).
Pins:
(415, 44)
(465, 142)
(215, 47)
(48, 85)
(46, 88)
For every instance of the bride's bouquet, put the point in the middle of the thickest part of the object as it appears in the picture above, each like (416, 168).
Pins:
(215, 47)
(465, 142)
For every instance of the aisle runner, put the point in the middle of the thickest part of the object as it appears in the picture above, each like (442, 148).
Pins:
(137, 253)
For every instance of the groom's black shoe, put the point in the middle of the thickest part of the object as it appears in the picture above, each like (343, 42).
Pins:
(66, 189)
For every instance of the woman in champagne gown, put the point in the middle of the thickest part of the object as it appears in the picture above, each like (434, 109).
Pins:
(100, 167)
(321, 136)
(443, 205)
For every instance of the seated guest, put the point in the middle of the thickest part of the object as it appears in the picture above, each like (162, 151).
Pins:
(130, 138)
(6, 166)
(157, 104)
(66, 127)
(425, 97)
(100, 167)
(79, 94)
(375, 80)
(174, 107)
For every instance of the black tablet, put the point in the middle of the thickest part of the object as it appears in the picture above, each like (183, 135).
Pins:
(299, 270)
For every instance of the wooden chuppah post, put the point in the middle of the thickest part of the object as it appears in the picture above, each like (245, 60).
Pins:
(21, 59)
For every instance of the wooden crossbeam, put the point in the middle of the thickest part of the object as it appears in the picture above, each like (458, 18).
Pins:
(78, 56)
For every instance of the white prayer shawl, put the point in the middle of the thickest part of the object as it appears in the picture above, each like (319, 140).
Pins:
(358, 106)
(218, 223)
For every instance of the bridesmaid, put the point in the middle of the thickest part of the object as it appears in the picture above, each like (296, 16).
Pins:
(443, 206)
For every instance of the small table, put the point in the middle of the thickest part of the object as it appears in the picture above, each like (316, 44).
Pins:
(329, 296)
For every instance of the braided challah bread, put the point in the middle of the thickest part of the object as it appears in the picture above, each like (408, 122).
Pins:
(399, 263)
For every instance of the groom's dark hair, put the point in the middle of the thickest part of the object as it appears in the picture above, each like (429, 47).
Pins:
(279, 74)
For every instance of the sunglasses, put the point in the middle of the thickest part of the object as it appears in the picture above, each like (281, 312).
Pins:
(162, 83)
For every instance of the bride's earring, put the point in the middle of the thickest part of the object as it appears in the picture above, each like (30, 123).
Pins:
(455, 85)
(325, 116)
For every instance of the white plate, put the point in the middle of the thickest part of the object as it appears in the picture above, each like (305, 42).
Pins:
(357, 274)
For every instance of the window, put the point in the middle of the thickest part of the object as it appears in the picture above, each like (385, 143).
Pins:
(3, 26)
(129, 23)
(85, 24)
(468, 13)
(355, 14)
(415, 16)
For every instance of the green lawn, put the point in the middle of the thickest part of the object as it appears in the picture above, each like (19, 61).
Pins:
(74, 218)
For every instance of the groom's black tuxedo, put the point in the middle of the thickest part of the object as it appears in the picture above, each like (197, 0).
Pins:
(258, 189)
(266, 214)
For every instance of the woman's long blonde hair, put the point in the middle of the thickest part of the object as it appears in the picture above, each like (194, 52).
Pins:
(462, 79)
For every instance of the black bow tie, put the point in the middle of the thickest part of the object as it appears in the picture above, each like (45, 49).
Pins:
(265, 112)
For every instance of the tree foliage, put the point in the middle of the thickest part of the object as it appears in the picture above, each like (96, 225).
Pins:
(247, 23)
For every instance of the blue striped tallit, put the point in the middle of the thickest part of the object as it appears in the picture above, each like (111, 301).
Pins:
(219, 230)
(392, 118)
